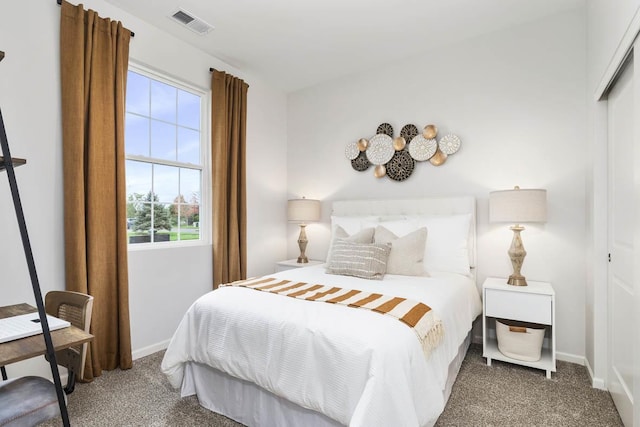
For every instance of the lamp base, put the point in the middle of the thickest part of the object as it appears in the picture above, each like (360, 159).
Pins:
(302, 244)
(517, 280)
(517, 254)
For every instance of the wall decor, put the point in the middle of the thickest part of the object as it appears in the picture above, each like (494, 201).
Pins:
(449, 144)
(408, 132)
(379, 171)
(399, 143)
(351, 151)
(397, 157)
(380, 149)
(422, 149)
(400, 167)
(438, 158)
(430, 131)
(386, 129)
(361, 163)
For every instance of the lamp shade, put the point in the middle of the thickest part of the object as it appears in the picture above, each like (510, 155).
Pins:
(303, 210)
(518, 205)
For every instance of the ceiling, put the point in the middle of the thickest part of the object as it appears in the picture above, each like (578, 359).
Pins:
(293, 44)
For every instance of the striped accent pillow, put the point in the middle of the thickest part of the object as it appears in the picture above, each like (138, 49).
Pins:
(363, 236)
(365, 260)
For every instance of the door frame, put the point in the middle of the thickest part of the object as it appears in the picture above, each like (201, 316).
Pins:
(600, 218)
(632, 81)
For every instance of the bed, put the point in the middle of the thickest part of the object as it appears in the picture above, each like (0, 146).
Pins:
(264, 359)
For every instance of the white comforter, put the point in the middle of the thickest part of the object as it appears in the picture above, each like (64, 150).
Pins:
(357, 367)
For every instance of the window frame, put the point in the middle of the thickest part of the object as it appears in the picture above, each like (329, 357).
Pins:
(205, 159)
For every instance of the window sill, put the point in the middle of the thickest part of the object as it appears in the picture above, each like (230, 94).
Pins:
(137, 247)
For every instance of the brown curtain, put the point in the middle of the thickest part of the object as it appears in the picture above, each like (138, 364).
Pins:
(228, 152)
(94, 55)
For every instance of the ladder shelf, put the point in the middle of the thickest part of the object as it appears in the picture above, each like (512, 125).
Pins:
(7, 163)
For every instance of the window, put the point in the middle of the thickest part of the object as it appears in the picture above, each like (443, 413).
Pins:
(164, 160)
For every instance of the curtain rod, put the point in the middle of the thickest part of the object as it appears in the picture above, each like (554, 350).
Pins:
(60, 3)
(211, 70)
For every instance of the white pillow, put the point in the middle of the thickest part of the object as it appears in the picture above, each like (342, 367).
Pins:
(447, 247)
(407, 252)
(352, 224)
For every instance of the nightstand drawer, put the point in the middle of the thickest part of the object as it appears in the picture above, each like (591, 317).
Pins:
(526, 307)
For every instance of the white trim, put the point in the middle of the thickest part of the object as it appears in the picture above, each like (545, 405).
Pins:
(571, 358)
(153, 348)
(169, 245)
(205, 165)
(599, 217)
(163, 162)
(595, 382)
(619, 56)
(598, 383)
(167, 78)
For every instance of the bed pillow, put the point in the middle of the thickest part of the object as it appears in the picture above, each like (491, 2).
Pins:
(353, 224)
(407, 252)
(365, 260)
(363, 236)
(447, 247)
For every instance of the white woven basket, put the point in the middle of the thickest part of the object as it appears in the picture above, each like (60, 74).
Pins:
(521, 341)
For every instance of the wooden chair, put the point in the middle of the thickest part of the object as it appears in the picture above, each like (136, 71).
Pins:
(74, 307)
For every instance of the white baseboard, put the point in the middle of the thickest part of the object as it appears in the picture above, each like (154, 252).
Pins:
(153, 348)
(581, 360)
(595, 382)
(572, 358)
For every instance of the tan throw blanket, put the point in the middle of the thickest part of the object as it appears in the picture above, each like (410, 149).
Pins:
(418, 316)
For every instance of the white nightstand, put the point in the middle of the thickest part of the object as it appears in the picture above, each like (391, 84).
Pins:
(534, 304)
(293, 263)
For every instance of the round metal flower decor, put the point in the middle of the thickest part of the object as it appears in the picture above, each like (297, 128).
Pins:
(380, 149)
(408, 132)
(386, 129)
(397, 157)
(400, 167)
(361, 163)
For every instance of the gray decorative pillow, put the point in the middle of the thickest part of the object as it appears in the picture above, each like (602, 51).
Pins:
(365, 260)
(363, 236)
(407, 252)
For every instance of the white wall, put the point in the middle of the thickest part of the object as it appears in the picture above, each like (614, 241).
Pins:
(516, 98)
(608, 23)
(163, 282)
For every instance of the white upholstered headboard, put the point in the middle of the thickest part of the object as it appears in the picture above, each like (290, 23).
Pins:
(424, 206)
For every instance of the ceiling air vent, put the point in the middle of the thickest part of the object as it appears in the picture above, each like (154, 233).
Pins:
(187, 19)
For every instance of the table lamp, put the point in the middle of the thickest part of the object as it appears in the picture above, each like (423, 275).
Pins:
(517, 206)
(303, 211)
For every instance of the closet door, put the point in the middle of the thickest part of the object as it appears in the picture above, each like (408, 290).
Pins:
(621, 208)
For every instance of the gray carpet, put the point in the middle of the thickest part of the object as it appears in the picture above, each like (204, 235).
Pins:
(501, 395)
(511, 395)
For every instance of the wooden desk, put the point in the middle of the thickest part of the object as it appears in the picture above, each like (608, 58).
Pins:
(33, 346)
